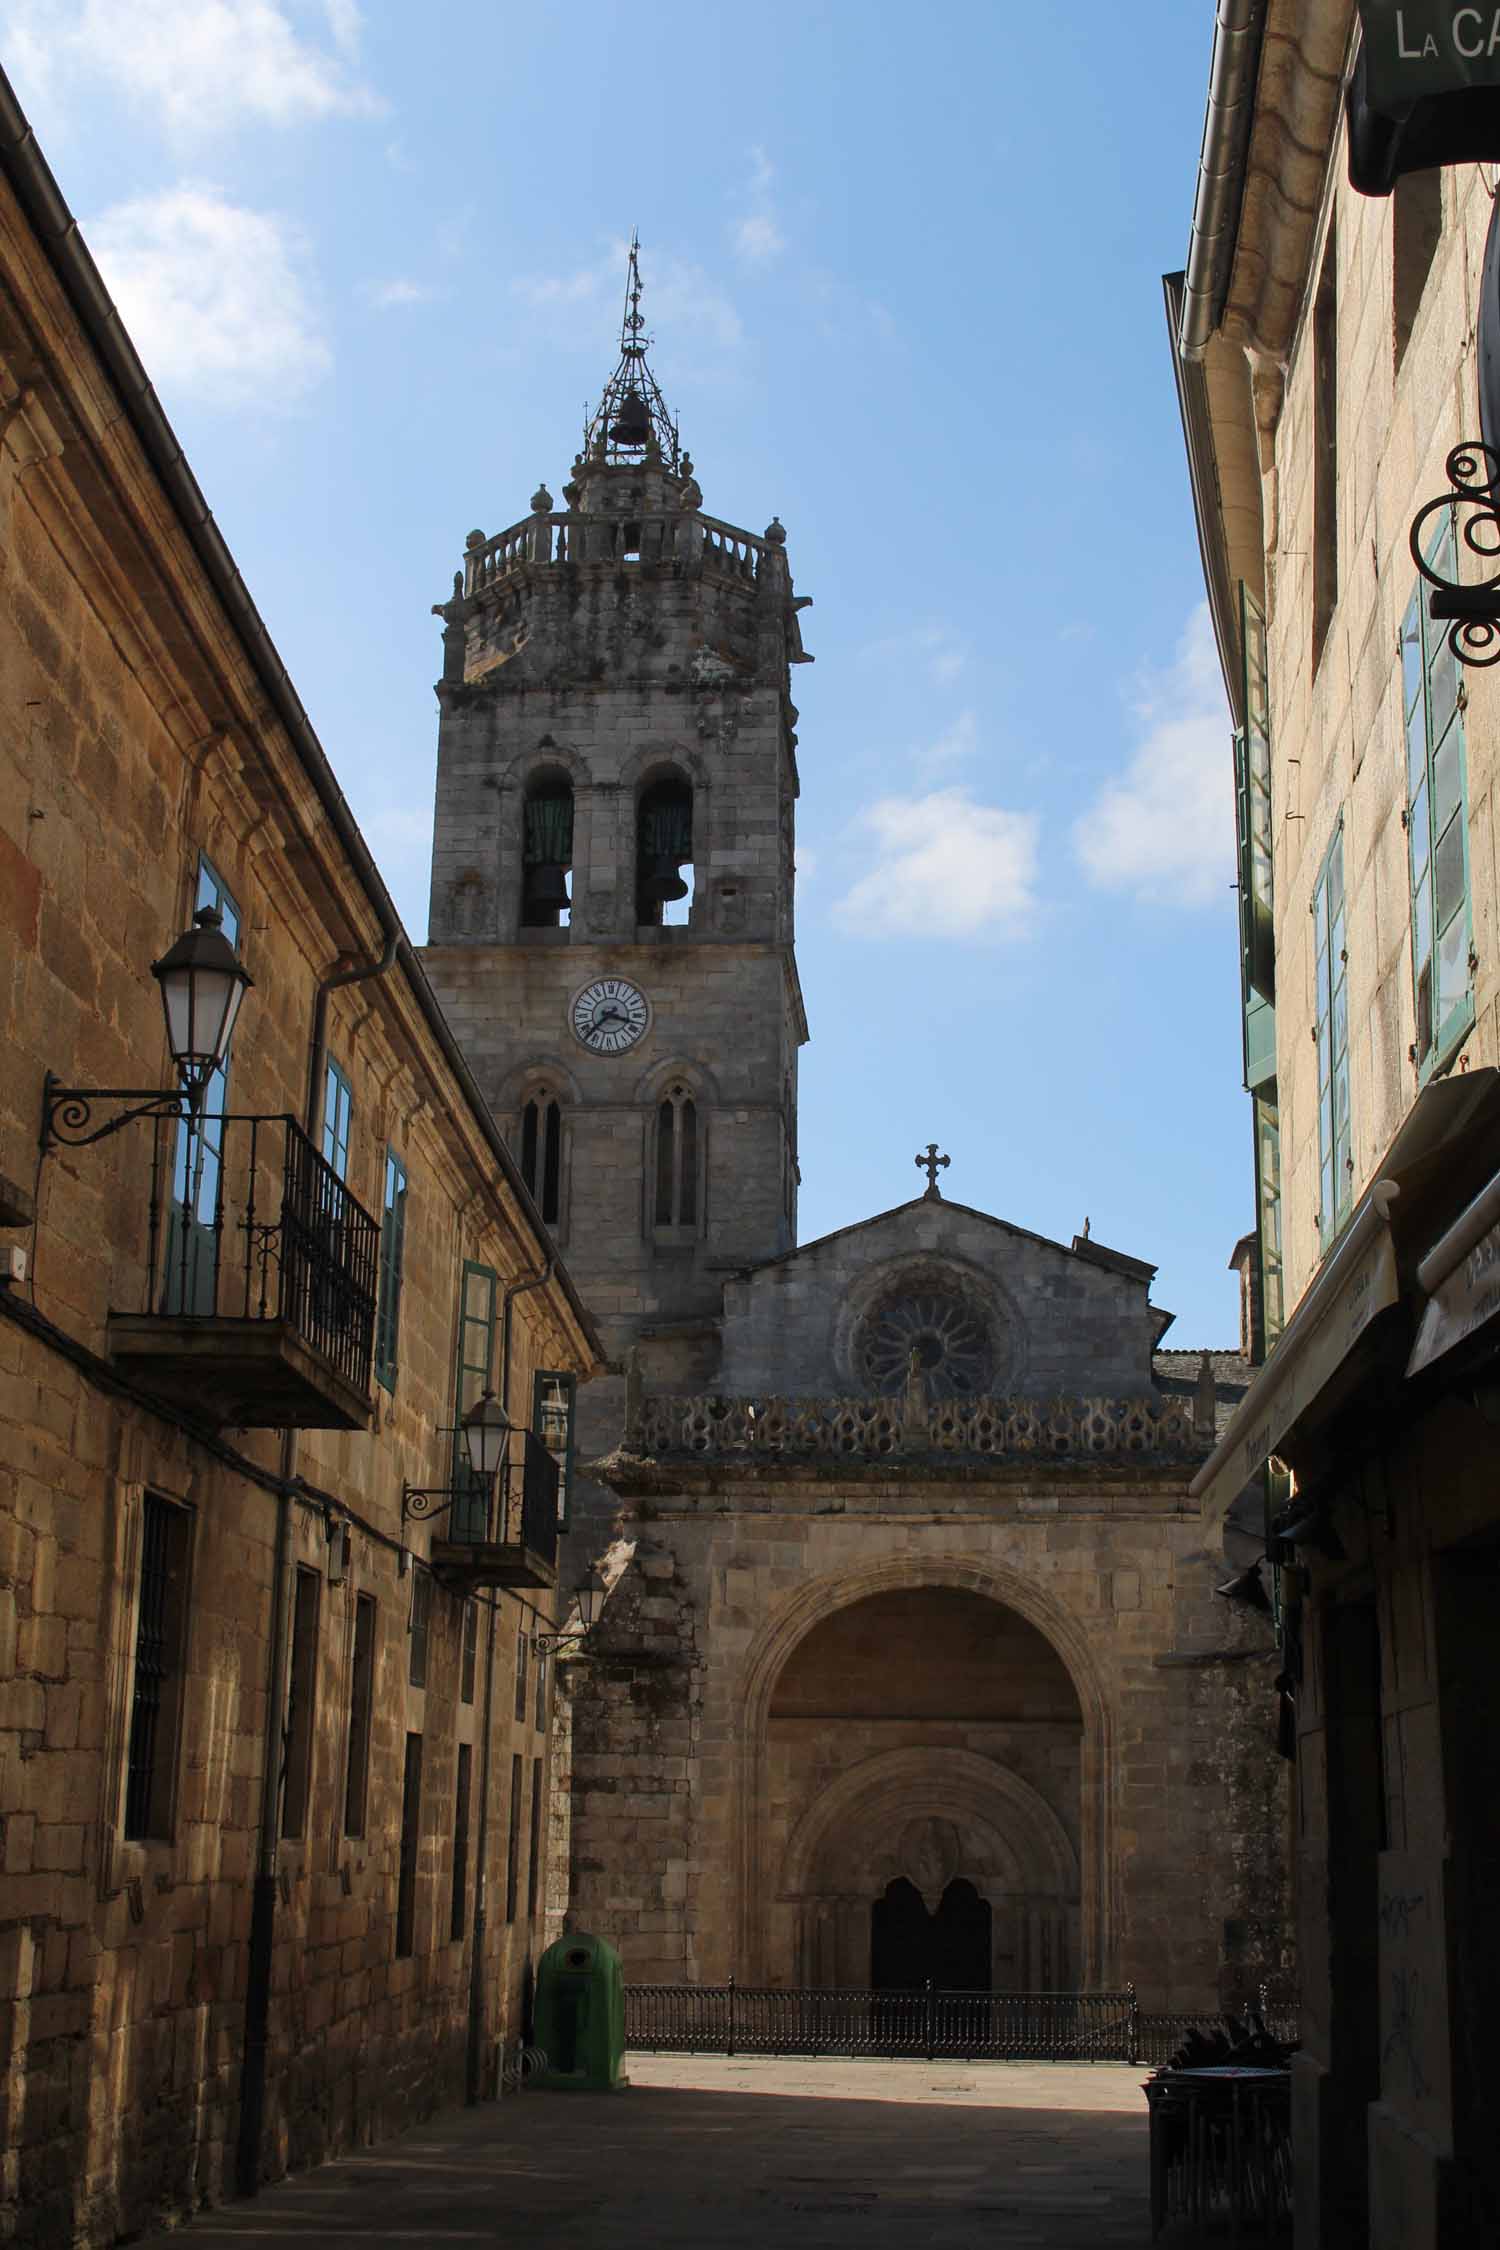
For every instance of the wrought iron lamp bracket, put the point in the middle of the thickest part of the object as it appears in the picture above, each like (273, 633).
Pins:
(1471, 613)
(417, 1500)
(562, 1642)
(68, 1111)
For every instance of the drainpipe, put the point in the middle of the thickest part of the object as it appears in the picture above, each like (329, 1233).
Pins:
(537, 1280)
(263, 1899)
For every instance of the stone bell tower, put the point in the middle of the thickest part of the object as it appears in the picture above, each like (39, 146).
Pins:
(612, 879)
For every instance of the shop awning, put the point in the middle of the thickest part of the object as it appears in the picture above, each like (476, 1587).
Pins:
(1460, 1277)
(1325, 1348)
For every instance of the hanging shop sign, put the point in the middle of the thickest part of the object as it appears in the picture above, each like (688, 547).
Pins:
(1415, 48)
(1425, 89)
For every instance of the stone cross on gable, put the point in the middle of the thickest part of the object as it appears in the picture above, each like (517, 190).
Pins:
(932, 1164)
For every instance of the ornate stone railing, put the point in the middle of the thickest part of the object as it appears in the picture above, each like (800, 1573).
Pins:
(560, 538)
(875, 1429)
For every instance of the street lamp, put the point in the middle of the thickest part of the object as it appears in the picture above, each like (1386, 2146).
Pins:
(202, 982)
(484, 1431)
(587, 1598)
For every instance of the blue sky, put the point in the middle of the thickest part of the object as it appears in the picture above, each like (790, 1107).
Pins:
(902, 268)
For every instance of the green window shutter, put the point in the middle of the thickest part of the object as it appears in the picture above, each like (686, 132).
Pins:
(1331, 984)
(1253, 805)
(1437, 828)
(1268, 1213)
(476, 1355)
(553, 1398)
(392, 1246)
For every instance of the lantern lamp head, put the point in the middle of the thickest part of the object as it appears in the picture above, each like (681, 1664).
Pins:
(202, 983)
(485, 1428)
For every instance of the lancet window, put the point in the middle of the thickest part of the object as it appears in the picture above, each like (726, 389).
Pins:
(677, 1199)
(541, 1151)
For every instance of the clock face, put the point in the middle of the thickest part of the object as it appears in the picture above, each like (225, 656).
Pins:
(610, 1015)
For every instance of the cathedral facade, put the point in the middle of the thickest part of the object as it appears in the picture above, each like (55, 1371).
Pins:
(911, 1665)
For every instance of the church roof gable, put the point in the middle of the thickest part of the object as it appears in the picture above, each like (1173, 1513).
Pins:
(1082, 1245)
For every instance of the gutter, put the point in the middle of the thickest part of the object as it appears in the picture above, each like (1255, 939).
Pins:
(1208, 514)
(1238, 33)
(30, 176)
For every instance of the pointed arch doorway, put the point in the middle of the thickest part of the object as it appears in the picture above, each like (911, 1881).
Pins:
(911, 1947)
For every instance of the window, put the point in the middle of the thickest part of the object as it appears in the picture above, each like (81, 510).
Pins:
(361, 1697)
(513, 1839)
(160, 1649)
(418, 1625)
(460, 1843)
(468, 1516)
(1330, 957)
(664, 849)
(1253, 807)
(521, 1649)
(300, 1703)
(1325, 543)
(534, 1853)
(190, 1285)
(676, 1203)
(541, 1152)
(1437, 828)
(392, 1246)
(1416, 229)
(469, 1662)
(552, 1398)
(1268, 1215)
(547, 853)
(411, 1837)
(543, 1672)
(338, 1108)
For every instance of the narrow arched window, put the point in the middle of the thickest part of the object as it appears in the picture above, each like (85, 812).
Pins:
(677, 1160)
(664, 853)
(541, 1152)
(547, 853)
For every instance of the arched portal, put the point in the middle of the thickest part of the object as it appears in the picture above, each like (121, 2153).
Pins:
(927, 1743)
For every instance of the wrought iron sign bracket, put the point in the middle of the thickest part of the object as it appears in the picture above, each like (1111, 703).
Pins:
(1471, 613)
(68, 1111)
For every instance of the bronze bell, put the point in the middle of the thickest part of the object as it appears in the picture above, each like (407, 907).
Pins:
(632, 425)
(663, 879)
(546, 887)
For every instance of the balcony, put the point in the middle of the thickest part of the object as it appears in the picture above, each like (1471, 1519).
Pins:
(502, 1532)
(261, 1280)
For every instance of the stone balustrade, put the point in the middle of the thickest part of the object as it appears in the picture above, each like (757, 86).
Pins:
(874, 1429)
(698, 540)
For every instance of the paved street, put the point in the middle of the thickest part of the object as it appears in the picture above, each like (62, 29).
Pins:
(804, 2155)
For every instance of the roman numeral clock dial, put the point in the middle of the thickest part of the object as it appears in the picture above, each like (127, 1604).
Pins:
(610, 1015)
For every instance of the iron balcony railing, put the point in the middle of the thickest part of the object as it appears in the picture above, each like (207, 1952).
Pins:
(729, 2019)
(518, 1508)
(248, 1222)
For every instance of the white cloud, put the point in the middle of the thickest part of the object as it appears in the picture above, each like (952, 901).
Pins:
(945, 866)
(211, 296)
(201, 66)
(387, 296)
(1164, 828)
(757, 237)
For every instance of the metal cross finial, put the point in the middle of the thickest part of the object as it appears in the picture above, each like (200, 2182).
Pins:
(932, 1164)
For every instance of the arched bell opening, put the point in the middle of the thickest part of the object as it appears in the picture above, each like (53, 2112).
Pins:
(547, 853)
(664, 853)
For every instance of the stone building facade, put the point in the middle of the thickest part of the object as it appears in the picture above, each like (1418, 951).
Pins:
(1336, 335)
(271, 1782)
(873, 1633)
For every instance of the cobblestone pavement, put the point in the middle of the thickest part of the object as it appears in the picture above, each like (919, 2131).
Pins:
(709, 2151)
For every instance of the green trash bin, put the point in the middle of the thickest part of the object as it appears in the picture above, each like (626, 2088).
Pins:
(579, 2016)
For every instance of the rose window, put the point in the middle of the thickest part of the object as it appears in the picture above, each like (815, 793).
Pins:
(949, 1335)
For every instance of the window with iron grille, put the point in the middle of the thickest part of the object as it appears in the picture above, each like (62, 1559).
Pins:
(392, 1248)
(300, 1703)
(469, 1661)
(1331, 984)
(457, 1917)
(361, 1698)
(513, 1839)
(1437, 828)
(338, 1110)
(534, 1855)
(160, 1652)
(411, 1838)
(419, 1625)
(552, 1401)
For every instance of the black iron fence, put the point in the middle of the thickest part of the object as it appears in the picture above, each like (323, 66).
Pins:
(518, 1508)
(734, 2019)
(248, 1222)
